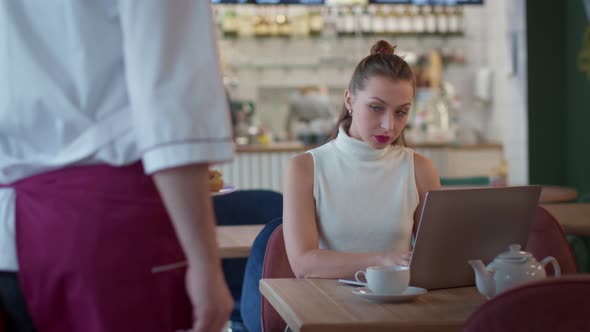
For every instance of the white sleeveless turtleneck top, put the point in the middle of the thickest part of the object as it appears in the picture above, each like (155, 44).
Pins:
(365, 198)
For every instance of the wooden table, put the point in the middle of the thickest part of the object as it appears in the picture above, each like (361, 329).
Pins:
(310, 305)
(233, 242)
(574, 217)
(556, 194)
(236, 241)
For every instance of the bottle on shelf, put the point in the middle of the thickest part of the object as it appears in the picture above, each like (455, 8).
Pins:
(365, 24)
(300, 21)
(438, 109)
(346, 19)
(217, 14)
(229, 23)
(379, 21)
(350, 26)
(429, 19)
(419, 19)
(442, 20)
(391, 21)
(316, 22)
(261, 24)
(340, 22)
(273, 25)
(330, 22)
(406, 21)
(245, 25)
(284, 25)
(456, 20)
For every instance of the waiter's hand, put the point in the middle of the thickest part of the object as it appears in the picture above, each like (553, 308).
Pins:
(211, 299)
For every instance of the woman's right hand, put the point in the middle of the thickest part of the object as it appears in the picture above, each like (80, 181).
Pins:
(397, 258)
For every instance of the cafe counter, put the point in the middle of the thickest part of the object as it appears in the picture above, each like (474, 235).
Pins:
(262, 166)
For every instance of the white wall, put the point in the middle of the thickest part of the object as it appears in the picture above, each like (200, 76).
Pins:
(506, 44)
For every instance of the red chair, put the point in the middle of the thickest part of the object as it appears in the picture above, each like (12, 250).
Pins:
(553, 304)
(276, 265)
(547, 238)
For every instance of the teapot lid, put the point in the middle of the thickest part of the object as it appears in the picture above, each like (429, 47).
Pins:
(514, 254)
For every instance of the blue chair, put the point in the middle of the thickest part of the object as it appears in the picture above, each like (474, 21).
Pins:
(251, 306)
(244, 207)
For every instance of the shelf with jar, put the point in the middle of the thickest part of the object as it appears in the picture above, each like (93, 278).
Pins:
(286, 21)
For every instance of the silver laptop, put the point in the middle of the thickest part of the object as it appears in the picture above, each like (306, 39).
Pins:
(462, 224)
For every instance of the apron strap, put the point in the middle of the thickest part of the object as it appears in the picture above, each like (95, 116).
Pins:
(99, 135)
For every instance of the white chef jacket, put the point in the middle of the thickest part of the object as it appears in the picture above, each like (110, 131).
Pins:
(106, 81)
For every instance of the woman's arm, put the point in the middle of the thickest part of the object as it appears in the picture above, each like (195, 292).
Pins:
(301, 232)
(427, 179)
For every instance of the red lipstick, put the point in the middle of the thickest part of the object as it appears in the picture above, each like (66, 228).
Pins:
(382, 138)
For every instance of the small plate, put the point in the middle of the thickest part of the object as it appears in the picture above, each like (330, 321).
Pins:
(224, 191)
(409, 294)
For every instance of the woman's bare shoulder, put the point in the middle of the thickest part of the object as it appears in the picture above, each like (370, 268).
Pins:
(425, 171)
(301, 166)
(422, 162)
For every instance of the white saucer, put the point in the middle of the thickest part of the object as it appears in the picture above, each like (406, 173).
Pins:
(224, 191)
(409, 294)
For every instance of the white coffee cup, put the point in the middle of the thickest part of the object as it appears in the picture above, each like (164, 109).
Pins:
(386, 280)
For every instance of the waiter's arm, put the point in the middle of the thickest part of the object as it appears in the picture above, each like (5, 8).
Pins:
(185, 192)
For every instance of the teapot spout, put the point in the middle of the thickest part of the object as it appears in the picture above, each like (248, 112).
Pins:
(483, 279)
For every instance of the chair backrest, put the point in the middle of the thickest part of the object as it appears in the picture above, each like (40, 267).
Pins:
(247, 207)
(547, 238)
(276, 265)
(244, 207)
(553, 304)
(251, 303)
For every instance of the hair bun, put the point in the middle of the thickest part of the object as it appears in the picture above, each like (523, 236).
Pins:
(382, 47)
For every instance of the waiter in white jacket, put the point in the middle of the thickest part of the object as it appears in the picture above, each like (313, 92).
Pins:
(110, 113)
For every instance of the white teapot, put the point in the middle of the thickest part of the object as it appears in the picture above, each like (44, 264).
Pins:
(509, 269)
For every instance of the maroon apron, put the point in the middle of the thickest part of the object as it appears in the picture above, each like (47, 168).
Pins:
(87, 238)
